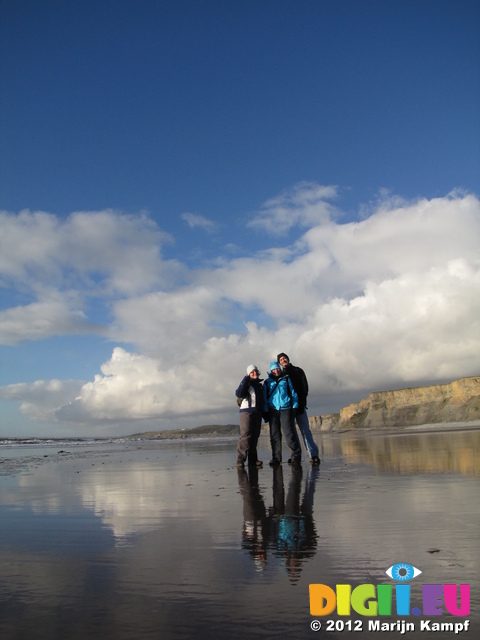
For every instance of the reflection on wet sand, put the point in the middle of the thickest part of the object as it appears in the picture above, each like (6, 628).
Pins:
(156, 542)
(457, 452)
(287, 528)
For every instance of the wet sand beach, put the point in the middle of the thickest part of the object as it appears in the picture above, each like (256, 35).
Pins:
(170, 540)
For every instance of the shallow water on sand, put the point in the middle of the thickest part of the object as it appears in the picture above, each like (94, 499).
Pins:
(169, 540)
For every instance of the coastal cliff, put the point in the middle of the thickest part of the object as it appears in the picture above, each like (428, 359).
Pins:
(458, 401)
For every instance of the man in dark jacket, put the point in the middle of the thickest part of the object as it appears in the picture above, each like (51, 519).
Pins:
(300, 384)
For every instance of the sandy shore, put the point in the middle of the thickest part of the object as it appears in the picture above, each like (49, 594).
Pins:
(171, 540)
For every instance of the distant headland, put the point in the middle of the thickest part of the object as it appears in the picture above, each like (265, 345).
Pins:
(205, 431)
(455, 403)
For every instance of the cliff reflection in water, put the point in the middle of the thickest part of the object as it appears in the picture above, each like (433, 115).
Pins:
(286, 529)
(444, 452)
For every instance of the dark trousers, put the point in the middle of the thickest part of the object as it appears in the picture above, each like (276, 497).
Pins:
(250, 426)
(283, 421)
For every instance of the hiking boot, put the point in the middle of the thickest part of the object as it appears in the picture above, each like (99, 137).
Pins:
(274, 462)
(296, 462)
(315, 461)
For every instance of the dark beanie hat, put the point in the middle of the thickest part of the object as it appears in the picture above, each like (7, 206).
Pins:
(284, 355)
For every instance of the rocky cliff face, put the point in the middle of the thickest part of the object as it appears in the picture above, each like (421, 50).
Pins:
(458, 401)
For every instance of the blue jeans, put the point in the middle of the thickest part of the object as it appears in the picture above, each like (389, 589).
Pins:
(303, 425)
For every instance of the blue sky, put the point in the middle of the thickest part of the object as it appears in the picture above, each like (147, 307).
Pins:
(189, 187)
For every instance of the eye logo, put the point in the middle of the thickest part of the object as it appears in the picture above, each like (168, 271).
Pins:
(402, 572)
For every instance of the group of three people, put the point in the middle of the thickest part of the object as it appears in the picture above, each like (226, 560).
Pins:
(280, 400)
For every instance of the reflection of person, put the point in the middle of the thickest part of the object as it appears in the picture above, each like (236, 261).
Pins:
(292, 524)
(281, 400)
(287, 527)
(251, 402)
(300, 384)
(254, 516)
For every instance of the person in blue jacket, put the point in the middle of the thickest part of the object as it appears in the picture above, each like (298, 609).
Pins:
(251, 402)
(281, 402)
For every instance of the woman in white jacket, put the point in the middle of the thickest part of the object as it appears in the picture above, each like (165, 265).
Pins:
(251, 401)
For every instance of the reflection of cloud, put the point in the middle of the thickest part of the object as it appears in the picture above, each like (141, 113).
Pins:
(456, 452)
(126, 512)
(128, 497)
(145, 497)
(389, 299)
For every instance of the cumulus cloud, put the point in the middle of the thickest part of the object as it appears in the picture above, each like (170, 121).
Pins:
(138, 387)
(39, 320)
(58, 265)
(100, 252)
(388, 300)
(173, 325)
(40, 400)
(339, 260)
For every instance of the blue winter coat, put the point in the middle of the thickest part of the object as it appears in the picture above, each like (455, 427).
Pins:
(279, 393)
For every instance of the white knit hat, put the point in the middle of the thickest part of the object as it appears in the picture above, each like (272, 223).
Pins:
(250, 368)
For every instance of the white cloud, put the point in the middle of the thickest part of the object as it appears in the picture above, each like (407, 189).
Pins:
(173, 325)
(58, 265)
(41, 320)
(138, 387)
(304, 205)
(97, 252)
(390, 300)
(399, 330)
(194, 221)
(339, 260)
(40, 400)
